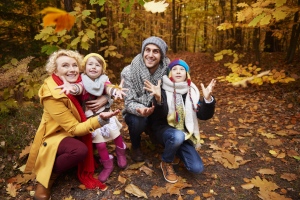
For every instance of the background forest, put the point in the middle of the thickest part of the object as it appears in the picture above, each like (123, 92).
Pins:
(247, 42)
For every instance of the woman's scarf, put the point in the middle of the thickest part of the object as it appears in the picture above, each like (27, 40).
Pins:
(190, 116)
(87, 167)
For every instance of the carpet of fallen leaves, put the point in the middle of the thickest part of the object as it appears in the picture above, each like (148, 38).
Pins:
(251, 149)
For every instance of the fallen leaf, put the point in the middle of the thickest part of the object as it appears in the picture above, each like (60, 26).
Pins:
(116, 192)
(147, 170)
(266, 171)
(264, 184)
(11, 189)
(81, 186)
(68, 198)
(289, 176)
(25, 151)
(190, 192)
(136, 165)
(121, 179)
(248, 186)
(269, 195)
(157, 191)
(134, 190)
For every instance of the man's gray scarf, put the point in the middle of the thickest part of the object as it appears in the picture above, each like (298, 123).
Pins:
(139, 73)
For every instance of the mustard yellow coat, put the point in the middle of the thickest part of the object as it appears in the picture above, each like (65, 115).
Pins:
(60, 119)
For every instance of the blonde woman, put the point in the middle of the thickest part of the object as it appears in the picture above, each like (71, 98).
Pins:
(63, 139)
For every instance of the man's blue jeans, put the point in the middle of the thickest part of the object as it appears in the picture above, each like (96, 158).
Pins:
(175, 144)
(136, 126)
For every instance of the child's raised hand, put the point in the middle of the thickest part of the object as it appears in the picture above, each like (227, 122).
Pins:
(207, 91)
(66, 87)
(107, 115)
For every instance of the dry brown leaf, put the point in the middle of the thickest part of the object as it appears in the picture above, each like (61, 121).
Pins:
(147, 170)
(157, 191)
(22, 178)
(263, 184)
(206, 195)
(268, 135)
(136, 165)
(273, 142)
(121, 179)
(248, 186)
(269, 195)
(292, 153)
(197, 198)
(287, 132)
(81, 186)
(68, 198)
(180, 197)
(136, 191)
(289, 176)
(25, 151)
(117, 192)
(190, 192)
(11, 189)
(266, 171)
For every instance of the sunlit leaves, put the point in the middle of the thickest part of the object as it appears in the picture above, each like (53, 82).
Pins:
(136, 191)
(156, 7)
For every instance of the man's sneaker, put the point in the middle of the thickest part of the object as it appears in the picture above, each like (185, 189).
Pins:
(168, 172)
(176, 161)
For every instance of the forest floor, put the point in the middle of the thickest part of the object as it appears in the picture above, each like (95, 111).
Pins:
(250, 148)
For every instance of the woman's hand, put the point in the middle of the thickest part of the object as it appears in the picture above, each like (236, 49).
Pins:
(107, 115)
(66, 87)
(208, 90)
(154, 89)
(96, 104)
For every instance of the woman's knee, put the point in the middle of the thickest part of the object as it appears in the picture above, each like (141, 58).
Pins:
(197, 168)
(81, 151)
(179, 137)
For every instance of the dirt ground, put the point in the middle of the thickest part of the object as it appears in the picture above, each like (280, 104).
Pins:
(249, 150)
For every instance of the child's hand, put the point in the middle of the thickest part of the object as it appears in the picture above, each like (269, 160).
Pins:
(208, 90)
(66, 87)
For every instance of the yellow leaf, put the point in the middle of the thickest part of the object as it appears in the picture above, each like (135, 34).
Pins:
(248, 186)
(116, 192)
(11, 190)
(136, 191)
(266, 171)
(157, 191)
(274, 153)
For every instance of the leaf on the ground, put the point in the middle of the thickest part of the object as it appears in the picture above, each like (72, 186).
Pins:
(292, 153)
(22, 178)
(116, 192)
(25, 151)
(264, 184)
(174, 188)
(289, 176)
(287, 132)
(213, 138)
(281, 155)
(296, 157)
(134, 190)
(68, 198)
(269, 195)
(229, 160)
(147, 170)
(157, 191)
(290, 126)
(268, 135)
(214, 147)
(272, 152)
(82, 186)
(190, 192)
(273, 142)
(207, 195)
(121, 179)
(136, 165)
(11, 189)
(266, 171)
(197, 198)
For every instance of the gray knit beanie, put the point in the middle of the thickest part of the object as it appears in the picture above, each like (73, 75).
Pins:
(156, 41)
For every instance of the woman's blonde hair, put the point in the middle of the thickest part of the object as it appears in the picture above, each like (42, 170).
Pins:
(51, 63)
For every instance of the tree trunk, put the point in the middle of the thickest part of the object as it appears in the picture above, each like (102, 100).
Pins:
(294, 38)
(174, 43)
(256, 39)
(68, 5)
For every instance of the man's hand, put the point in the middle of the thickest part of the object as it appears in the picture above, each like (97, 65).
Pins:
(154, 90)
(208, 90)
(96, 104)
(107, 115)
(145, 112)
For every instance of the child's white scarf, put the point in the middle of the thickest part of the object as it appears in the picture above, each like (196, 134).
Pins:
(191, 121)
